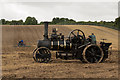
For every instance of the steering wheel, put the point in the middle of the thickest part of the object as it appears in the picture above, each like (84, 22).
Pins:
(77, 36)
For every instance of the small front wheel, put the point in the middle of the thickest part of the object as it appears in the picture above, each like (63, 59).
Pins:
(42, 55)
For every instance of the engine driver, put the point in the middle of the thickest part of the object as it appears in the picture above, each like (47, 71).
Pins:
(92, 38)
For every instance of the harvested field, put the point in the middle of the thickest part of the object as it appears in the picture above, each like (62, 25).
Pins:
(17, 62)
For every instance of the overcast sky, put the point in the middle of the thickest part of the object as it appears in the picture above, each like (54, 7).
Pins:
(45, 11)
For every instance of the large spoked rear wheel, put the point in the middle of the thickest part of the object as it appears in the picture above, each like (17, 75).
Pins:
(42, 55)
(93, 54)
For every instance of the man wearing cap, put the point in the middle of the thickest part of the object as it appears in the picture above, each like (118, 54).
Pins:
(93, 38)
(20, 43)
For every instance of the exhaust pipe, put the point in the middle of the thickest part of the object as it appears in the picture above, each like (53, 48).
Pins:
(45, 30)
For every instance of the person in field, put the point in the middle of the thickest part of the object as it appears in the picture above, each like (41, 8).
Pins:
(92, 38)
(21, 43)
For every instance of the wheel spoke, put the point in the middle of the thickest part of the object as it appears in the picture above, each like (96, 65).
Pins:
(45, 59)
(37, 52)
(98, 55)
(42, 51)
(91, 59)
(95, 59)
(45, 51)
(73, 34)
(90, 52)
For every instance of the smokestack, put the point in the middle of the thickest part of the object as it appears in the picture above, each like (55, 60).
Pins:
(46, 30)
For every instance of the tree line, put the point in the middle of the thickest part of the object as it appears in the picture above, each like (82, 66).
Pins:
(29, 21)
(63, 21)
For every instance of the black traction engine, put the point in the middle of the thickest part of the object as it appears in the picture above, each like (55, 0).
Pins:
(76, 46)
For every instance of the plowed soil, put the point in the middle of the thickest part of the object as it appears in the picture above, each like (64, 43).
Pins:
(17, 62)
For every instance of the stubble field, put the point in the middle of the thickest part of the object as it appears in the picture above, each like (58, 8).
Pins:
(17, 62)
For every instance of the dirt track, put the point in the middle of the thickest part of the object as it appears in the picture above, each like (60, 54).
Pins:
(18, 62)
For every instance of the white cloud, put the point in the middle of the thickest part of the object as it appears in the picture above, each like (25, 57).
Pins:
(47, 10)
(59, 0)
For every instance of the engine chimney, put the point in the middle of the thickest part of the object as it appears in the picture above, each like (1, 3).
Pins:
(45, 30)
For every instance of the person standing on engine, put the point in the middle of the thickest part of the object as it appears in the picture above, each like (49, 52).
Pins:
(93, 38)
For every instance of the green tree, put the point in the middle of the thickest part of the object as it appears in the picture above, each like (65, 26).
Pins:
(19, 22)
(117, 22)
(3, 21)
(62, 21)
(8, 22)
(35, 22)
(31, 21)
(13, 22)
(55, 20)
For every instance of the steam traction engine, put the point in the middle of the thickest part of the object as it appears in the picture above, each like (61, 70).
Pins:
(76, 46)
